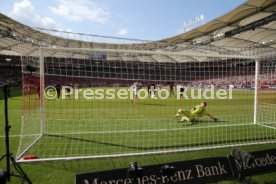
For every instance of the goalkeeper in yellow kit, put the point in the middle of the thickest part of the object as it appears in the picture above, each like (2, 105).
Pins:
(196, 112)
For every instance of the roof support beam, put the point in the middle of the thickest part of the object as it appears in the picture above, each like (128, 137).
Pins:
(251, 26)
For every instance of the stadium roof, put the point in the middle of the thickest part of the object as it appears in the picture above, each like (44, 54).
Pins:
(245, 14)
(220, 36)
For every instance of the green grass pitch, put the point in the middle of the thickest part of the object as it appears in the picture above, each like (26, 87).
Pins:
(84, 128)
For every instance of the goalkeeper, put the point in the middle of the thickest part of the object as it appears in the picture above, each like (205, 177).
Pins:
(196, 112)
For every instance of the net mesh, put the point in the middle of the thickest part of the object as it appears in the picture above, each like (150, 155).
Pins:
(144, 122)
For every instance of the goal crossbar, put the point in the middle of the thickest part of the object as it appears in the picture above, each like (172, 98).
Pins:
(166, 53)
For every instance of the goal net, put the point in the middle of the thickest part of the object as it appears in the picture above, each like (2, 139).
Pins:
(95, 103)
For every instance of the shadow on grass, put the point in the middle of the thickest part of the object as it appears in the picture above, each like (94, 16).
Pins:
(148, 148)
(14, 92)
(154, 104)
(200, 122)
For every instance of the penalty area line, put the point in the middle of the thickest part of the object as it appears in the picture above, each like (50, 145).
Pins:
(267, 126)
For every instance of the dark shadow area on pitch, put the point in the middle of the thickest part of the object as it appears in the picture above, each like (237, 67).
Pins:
(154, 104)
(15, 93)
(186, 123)
(159, 147)
(202, 122)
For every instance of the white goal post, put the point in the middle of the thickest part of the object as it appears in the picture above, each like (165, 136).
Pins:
(256, 88)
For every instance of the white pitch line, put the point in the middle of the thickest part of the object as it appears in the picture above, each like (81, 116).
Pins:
(116, 120)
(147, 130)
(267, 107)
(266, 126)
(139, 153)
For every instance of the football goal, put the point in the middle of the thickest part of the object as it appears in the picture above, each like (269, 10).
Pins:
(93, 102)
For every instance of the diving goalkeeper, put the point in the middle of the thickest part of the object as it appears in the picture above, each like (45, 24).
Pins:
(196, 112)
